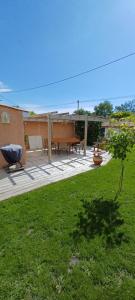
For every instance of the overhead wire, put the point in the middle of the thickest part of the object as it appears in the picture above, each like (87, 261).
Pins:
(90, 100)
(3, 98)
(74, 102)
(73, 76)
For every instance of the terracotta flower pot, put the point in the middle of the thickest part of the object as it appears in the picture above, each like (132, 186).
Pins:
(97, 159)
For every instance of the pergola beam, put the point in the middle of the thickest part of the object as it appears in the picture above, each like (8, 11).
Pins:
(49, 139)
(77, 118)
(66, 117)
(85, 134)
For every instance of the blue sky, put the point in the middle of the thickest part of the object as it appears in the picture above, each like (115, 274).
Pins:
(43, 41)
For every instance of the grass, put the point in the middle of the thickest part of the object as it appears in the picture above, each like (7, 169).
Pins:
(36, 246)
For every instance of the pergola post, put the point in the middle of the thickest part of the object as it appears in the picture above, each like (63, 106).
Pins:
(85, 134)
(49, 139)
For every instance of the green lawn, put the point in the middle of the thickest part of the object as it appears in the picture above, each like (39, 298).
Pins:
(36, 245)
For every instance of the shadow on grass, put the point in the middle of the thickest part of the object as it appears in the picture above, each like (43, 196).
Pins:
(100, 217)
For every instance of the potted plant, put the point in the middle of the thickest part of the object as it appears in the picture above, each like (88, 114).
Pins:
(97, 158)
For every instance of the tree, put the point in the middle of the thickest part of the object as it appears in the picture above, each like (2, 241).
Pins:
(32, 113)
(128, 106)
(101, 217)
(120, 115)
(103, 109)
(119, 145)
(82, 111)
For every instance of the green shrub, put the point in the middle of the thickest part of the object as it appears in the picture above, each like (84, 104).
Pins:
(120, 115)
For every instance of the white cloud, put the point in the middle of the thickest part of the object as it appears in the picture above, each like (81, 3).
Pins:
(40, 109)
(4, 88)
(33, 107)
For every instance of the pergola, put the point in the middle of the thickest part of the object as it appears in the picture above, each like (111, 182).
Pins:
(58, 117)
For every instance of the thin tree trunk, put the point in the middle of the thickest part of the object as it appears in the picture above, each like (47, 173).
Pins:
(120, 181)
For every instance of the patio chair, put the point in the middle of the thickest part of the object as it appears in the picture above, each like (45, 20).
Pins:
(54, 147)
(79, 147)
(64, 147)
(45, 145)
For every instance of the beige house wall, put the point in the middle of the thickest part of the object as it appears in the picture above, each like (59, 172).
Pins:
(59, 129)
(35, 128)
(12, 132)
(15, 131)
(64, 129)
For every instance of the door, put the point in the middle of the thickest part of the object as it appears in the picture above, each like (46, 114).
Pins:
(35, 142)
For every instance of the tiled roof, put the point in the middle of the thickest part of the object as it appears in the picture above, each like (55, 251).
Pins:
(13, 107)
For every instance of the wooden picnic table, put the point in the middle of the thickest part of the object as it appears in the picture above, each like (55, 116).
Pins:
(59, 142)
(67, 140)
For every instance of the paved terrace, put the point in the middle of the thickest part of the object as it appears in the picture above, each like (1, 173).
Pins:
(38, 172)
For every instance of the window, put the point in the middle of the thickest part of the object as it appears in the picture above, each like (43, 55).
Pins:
(5, 117)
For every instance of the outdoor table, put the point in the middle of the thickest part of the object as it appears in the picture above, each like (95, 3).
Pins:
(70, 141)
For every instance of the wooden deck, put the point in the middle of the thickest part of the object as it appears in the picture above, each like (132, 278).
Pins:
(38, 172)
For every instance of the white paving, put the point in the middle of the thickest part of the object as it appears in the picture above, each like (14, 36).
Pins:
(38, 172)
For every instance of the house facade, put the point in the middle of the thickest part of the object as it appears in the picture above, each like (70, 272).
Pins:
(39, 131)
(11, 129)
(17, 128)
